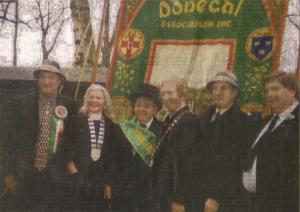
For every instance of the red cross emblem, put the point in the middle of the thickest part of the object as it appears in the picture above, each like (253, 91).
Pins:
(131, 43)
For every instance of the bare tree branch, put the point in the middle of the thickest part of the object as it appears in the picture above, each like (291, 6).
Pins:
(7, 16)
(49, 16)
(297, 25)
(57, 34)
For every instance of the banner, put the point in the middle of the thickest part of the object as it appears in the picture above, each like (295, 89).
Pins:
(195, 39)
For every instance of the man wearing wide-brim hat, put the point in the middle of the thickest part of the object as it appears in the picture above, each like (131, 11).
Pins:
(224, 128)
(38, 122)
(137, 194)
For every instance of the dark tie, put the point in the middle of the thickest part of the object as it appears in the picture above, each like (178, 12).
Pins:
(265, 134)
(143, 125)
(41, 157)
(255, 149)
(218, 116)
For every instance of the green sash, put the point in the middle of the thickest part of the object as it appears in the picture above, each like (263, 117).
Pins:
(142, 140)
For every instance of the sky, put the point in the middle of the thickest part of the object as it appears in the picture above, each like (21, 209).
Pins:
(29, 47)
(29, 40)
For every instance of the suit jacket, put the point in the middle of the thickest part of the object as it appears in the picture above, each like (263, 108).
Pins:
(137, 180)
(77, 148)
(174, 161)
(24, 132)
(220, 159)
(277, 180)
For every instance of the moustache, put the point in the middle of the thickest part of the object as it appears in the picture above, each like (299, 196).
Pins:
(217, 98)
(271, 99)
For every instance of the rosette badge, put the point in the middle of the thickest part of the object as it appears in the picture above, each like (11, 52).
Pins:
(57, 127)
(61, 112)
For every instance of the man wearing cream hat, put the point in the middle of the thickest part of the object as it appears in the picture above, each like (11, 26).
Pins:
(223, 127)
(38, 121)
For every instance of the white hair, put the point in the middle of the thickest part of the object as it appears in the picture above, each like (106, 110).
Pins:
(107, 101)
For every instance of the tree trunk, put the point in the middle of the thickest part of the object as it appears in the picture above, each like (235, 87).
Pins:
(108, 42)
(15, 51)
(44, 47)
(82, 32)
(105, 49)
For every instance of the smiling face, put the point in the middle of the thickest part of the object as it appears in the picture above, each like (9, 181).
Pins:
(95, 102)
(223, 94)
(278, 97)
(48, 83)
(170, 98)
(144, 110)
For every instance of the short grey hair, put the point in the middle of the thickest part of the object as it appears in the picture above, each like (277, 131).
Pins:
(107, 101)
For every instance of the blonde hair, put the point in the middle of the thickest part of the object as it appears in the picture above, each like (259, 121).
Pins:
(107, 101)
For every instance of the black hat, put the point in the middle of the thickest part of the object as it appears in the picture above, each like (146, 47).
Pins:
(150, 92)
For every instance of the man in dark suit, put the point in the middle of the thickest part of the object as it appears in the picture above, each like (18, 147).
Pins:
(224, 130)
(174, 163)
(272, 167)
(146, 104)
(35, 165)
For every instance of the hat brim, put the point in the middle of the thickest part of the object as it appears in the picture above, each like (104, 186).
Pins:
(156, 101)
(210, 84)
(48, 68)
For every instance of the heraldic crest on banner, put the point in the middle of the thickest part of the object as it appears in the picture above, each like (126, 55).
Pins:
(194, 40)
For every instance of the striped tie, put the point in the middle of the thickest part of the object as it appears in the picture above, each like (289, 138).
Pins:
(41, 157)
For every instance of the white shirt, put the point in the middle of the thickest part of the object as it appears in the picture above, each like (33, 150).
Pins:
(220, 112)
(249, 177)
(95, 116)
(148, 124)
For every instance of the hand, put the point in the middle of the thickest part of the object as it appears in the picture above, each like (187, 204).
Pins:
(176, 207)
(76, 181)
(107, 192)
(211, 205)
(10, 182)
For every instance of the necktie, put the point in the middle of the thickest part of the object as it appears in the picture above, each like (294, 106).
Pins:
(218, 116)
(41, 157)
(265, 134)
(256, 147)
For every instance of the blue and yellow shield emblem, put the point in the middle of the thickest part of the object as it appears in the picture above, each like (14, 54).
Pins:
(260, 44)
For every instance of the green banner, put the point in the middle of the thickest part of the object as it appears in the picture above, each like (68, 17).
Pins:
(141, 139)
(195, 39)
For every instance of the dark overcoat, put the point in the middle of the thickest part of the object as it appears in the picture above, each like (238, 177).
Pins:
(25, 131)
(277, 180)
(226, 140)
(77, 148)
(23, 135)
(174, 161)
(138, 189)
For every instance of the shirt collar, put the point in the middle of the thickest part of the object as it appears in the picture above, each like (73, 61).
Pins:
(222, 111)
(285, 114)
(43, 98)
(97, 116)
(180, 109)
(148, 124)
